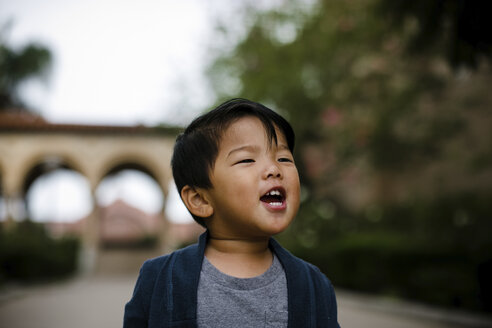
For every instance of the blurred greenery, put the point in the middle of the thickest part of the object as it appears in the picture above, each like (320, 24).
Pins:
(17, 65)
(465, 26)
(28, 254)
(393, 138)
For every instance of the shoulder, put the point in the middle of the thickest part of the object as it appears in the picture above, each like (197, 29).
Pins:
(153, 273)
(160, 264)
(314, 272)
(308, 286)
(299, 265)
(152, 268)
(149, 272)
(155, 284)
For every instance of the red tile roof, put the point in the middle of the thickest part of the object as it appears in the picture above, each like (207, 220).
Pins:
(17, 121)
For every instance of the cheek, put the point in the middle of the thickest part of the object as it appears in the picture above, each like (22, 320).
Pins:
(238, 188)
(295, 180)
(296, 187)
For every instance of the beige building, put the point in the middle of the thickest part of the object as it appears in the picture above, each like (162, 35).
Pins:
(31, 147)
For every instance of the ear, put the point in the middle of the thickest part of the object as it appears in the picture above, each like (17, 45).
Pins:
(196, 201)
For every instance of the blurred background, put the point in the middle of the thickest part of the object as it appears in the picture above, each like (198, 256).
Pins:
(391, 105)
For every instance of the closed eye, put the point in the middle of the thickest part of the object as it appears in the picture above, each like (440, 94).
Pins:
(248, 160)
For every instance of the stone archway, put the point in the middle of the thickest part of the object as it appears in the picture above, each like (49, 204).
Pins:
(40, 167)
(129, 234)
(93, 151)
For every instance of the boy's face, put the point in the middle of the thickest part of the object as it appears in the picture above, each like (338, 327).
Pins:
(255, 183)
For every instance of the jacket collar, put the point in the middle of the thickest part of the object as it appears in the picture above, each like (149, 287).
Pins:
(300, 289)
(184, 282)
(186, 274)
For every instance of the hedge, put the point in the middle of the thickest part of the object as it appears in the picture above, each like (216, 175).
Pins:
(28, 254)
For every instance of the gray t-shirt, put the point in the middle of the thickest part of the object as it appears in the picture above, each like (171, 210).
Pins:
(226, 301)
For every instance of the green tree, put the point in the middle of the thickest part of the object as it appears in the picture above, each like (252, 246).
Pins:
(390, 143)
(341, 78)
(459, 28)
(18, 65)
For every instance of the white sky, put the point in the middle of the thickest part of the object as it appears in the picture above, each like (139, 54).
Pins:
(117, 61)
(120, 62)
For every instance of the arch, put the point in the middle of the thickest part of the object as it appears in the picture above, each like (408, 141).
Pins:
(134, 187)
(134, 162)
(56, 196)
(130, 165)
(94, 152)
(39, 165)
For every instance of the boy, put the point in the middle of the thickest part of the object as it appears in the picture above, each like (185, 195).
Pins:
(236, 175)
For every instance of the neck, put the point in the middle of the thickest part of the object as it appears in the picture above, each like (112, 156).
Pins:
(238, 246)
(242, 258)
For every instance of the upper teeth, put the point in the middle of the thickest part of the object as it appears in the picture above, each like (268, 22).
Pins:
(273, 193)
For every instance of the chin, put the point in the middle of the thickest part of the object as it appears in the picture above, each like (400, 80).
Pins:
(278, 228)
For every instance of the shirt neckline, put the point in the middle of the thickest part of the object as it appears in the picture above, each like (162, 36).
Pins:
(274, 271)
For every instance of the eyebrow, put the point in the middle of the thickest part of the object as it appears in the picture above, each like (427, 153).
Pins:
(283, 147)
(253, 148)
(250, 148)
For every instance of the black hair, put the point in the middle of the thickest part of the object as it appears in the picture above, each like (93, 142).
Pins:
(196, 149)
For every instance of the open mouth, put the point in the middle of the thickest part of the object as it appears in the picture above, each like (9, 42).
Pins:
(274, 197)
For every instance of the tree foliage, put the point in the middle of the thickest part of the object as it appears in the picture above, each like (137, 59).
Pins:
(18, 65)
(461, 28)
(386, 136)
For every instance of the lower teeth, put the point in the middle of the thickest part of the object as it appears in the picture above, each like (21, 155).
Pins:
(275, 204)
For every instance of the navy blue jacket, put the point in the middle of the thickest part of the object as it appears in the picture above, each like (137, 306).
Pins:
(165, 294)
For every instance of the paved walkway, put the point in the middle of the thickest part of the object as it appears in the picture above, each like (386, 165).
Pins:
(99, 302)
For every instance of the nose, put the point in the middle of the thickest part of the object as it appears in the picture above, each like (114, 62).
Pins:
(272, 170)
